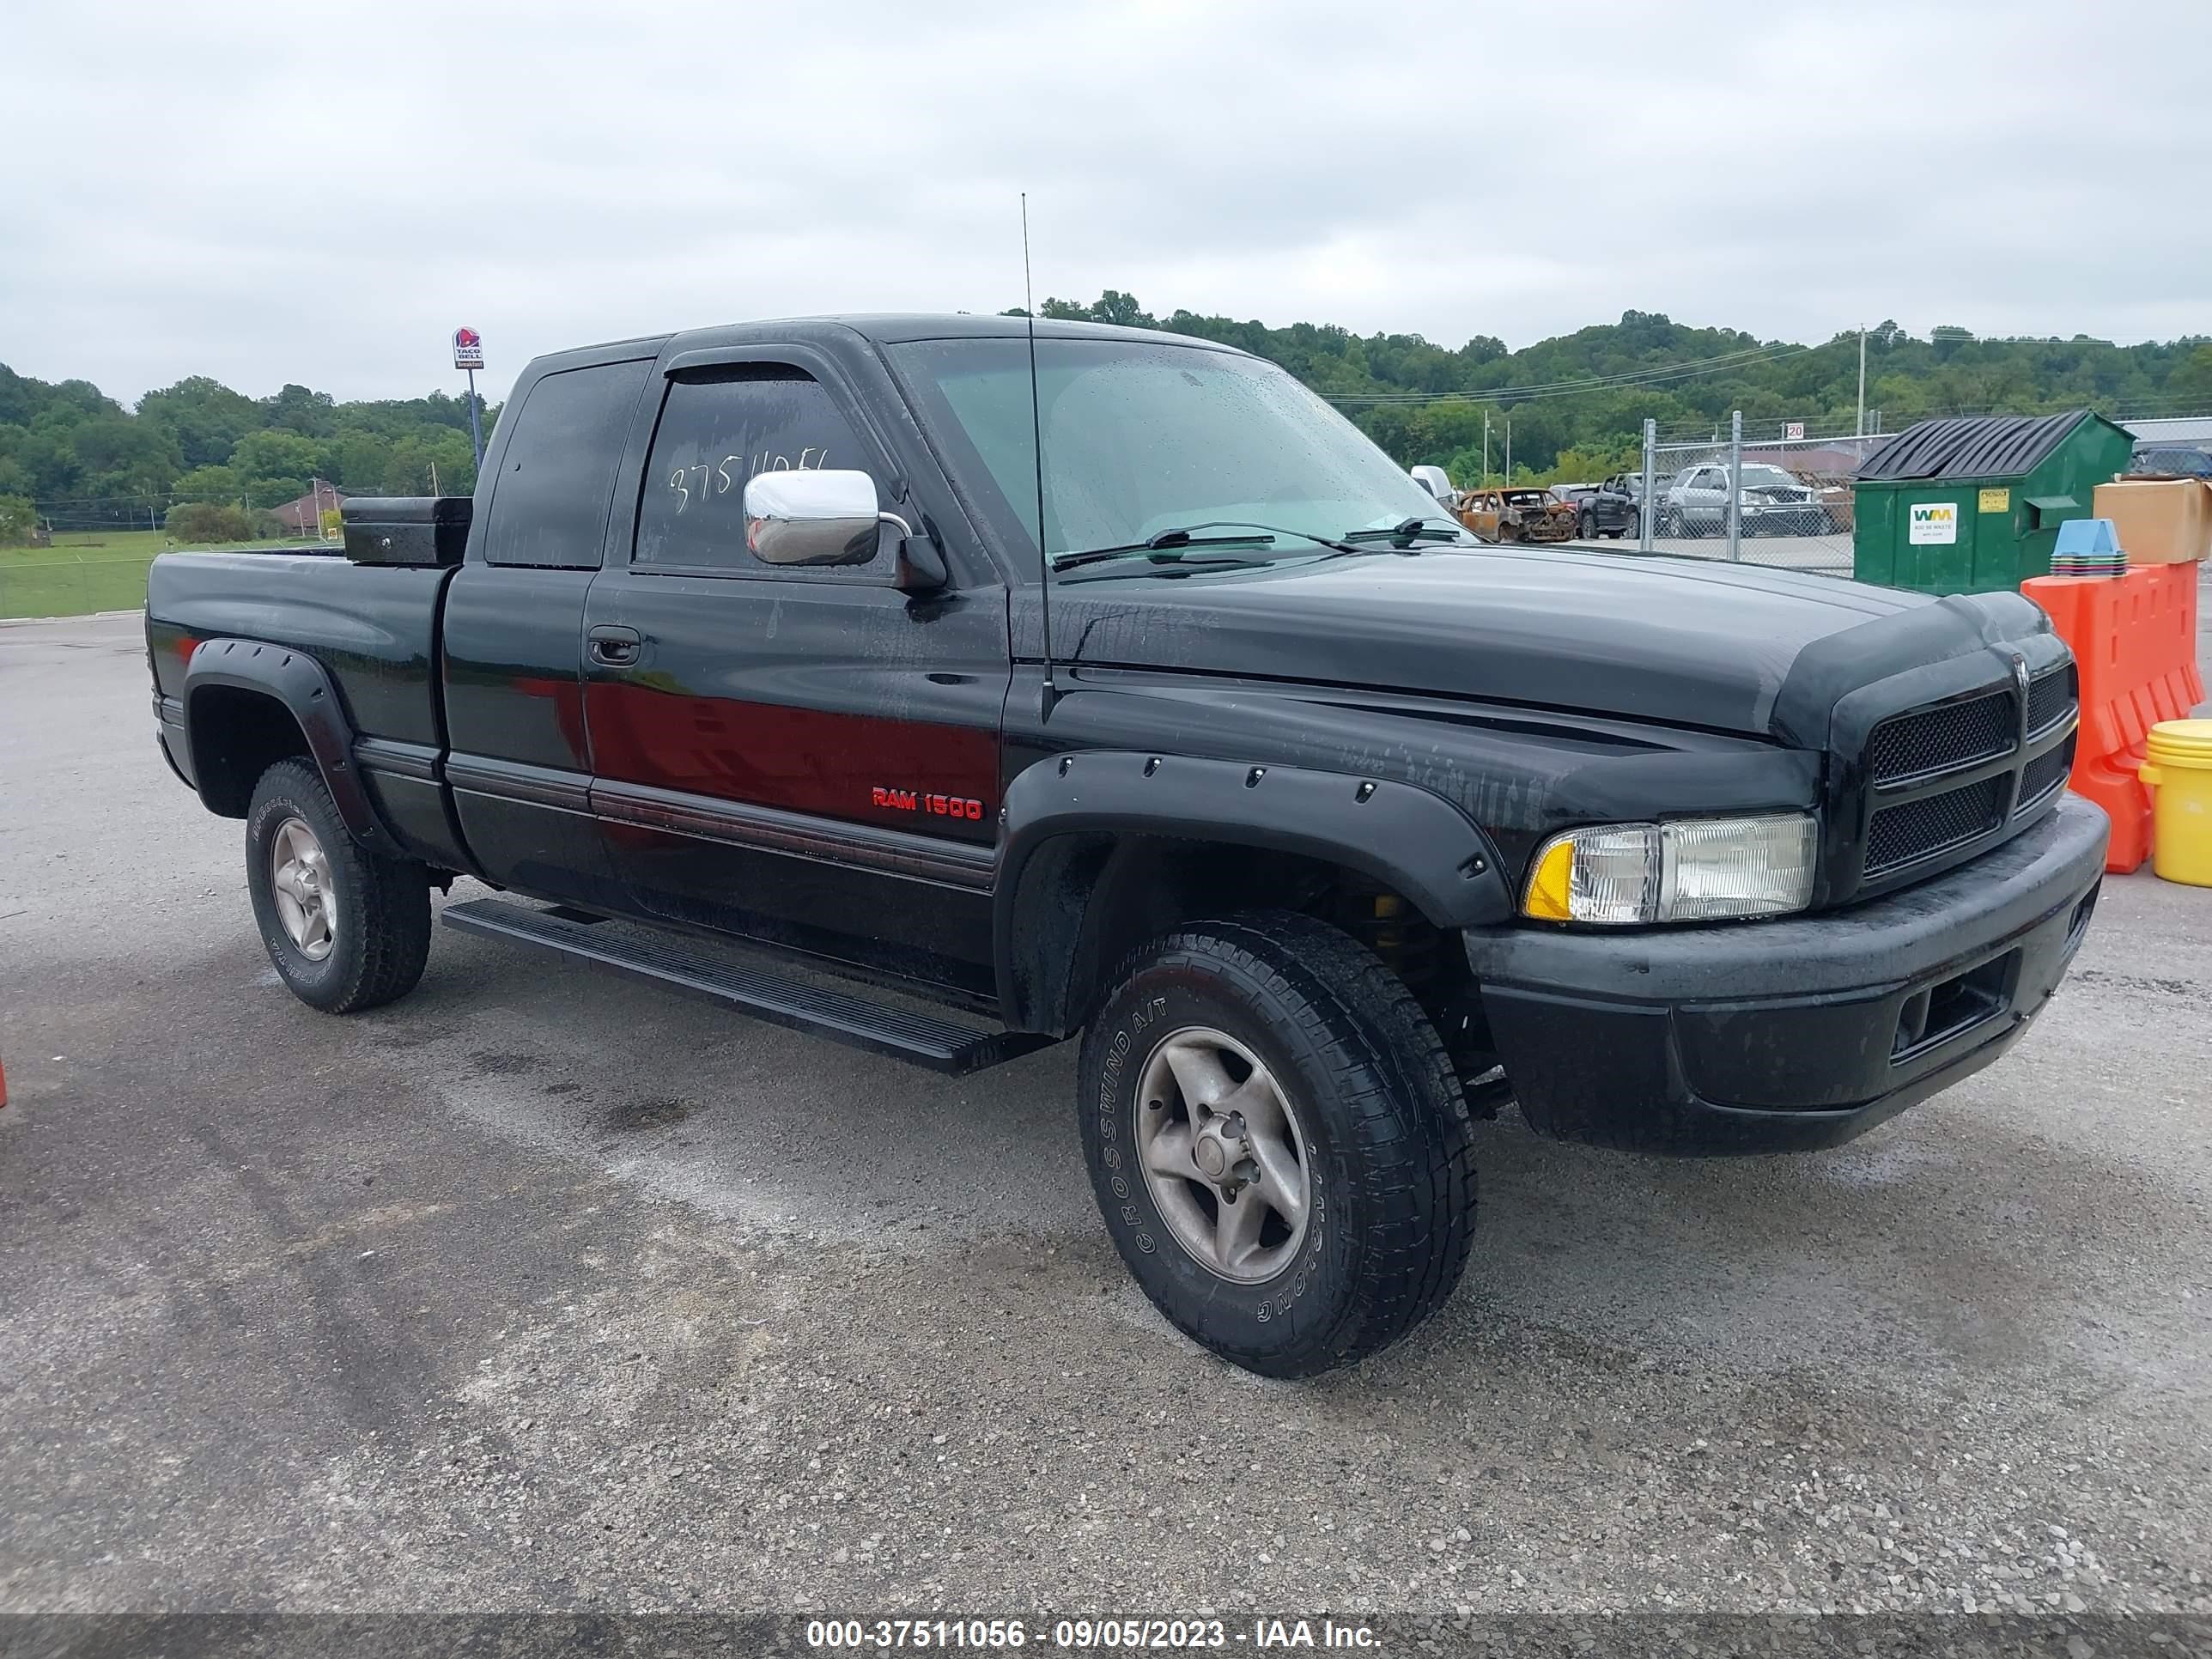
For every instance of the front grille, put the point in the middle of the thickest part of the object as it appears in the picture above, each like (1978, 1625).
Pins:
(2049, 697)
(2044, 775)
(1916, 762)
(1937, 739)
(1915, 829)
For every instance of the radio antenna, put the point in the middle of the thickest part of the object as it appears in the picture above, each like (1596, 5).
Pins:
(1051, 692)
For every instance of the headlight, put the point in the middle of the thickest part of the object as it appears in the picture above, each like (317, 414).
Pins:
(1693, 870)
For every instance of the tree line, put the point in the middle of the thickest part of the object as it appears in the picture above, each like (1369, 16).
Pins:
(86, 460)
(1577, 403)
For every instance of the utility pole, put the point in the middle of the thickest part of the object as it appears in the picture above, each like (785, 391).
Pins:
(1485, 449)
(1509, 448)
(1735, 486)
(1648, 509)
(1859, 430)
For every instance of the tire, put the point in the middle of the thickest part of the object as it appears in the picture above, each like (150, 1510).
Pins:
(1376, 1122)
(1586, 526)
(376, 934)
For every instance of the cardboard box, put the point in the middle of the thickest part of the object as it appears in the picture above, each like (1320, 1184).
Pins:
(2159, 520)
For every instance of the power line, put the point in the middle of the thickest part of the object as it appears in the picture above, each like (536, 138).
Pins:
(1570, 388)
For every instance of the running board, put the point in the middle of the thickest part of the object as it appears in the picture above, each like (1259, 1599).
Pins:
(938, 1044)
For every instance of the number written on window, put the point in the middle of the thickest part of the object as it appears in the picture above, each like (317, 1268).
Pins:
(705, 482)
(714, 437)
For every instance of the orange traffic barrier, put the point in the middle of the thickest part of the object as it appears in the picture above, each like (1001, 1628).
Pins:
(2134, 639)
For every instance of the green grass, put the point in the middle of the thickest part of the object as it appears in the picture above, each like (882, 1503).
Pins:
(82, 572)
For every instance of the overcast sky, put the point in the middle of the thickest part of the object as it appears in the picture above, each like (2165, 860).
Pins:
(320, 193)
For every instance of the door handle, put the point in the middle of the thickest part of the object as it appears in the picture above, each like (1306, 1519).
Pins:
(615, 647)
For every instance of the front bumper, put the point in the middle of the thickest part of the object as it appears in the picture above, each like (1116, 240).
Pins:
(1789, 1036)
(1787, 519)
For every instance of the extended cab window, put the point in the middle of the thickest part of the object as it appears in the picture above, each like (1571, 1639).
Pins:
(550, 504)
(716, 433)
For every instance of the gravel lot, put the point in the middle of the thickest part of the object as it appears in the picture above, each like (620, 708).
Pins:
(539, 1289)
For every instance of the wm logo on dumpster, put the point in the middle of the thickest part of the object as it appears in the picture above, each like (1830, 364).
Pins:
(1933, 522)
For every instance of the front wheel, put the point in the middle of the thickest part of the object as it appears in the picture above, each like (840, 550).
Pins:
(1277, 1142)
(347, 929)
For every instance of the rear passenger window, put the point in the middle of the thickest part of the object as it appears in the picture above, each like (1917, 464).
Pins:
(717, 432)
(548, 506)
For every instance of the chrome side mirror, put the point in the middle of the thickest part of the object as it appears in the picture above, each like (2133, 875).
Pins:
(821, 516)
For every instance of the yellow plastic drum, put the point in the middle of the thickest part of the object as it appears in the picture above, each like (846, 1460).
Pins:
(2178, 764)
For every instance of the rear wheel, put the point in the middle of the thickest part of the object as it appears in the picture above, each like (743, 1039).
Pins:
(347, 929)
(1277, 1143)
(1586, 526)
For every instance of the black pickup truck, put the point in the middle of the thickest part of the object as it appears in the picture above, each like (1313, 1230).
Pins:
(1327, 827)
(1603, 509)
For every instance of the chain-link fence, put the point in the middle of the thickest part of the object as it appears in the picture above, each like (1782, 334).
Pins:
(1774, 497)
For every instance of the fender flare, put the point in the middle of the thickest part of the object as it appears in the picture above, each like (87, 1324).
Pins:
(305, 689)
(1413, 840)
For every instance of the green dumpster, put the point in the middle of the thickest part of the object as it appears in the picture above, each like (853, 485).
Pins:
(1973, 505)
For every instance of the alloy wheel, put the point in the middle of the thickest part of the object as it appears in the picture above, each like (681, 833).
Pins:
(1223, 1154)
(300, 881)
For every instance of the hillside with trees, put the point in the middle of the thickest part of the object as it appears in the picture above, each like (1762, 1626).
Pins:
(85, 460)
(1576, 403)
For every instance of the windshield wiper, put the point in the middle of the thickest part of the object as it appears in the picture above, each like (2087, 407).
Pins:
(1161, 541)
(1162, 547)
(1403, 534)
(1165, 565)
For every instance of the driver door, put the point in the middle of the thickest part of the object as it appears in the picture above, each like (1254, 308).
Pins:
(799, 754)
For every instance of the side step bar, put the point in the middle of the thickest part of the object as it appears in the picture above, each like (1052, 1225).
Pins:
(939, 1044)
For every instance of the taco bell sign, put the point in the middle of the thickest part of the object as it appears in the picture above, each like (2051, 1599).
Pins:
(468, 348)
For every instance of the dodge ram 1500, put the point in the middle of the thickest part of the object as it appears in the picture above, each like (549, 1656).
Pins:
(1128, 691)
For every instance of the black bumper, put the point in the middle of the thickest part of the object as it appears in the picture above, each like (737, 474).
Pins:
(169, 733)
(1788, 1035)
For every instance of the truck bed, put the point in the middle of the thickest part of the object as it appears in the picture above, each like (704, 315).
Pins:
(374, 627)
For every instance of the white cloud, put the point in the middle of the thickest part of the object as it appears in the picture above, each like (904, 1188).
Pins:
(266, 193)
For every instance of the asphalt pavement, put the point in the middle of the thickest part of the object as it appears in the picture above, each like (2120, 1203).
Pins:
(539, 1289)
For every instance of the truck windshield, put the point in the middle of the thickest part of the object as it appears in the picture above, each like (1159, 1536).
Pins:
(1140, 438)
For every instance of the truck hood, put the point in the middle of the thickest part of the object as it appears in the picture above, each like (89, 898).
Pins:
(1682, 642)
